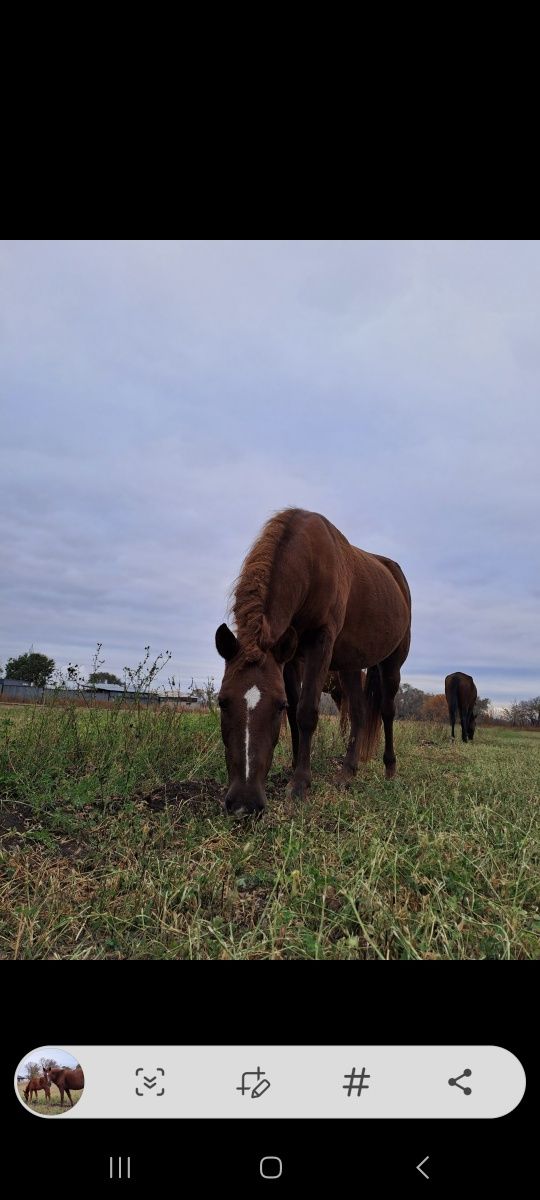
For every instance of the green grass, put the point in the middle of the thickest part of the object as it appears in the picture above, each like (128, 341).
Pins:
(45, 1107)
(441, 863)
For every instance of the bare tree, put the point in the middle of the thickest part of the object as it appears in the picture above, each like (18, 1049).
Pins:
(525, 713)
(409, 702)
(482, 707)
(206, 694)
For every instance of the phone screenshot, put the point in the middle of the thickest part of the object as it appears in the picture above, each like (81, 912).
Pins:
(270, 715)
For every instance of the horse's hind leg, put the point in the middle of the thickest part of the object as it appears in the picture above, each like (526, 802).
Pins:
(291, 679)
(353, 698)
(463, 717)
(390, 677)
(68, 1094)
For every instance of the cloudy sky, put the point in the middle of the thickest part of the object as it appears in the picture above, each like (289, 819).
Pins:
(60, 1056)
(161, 399)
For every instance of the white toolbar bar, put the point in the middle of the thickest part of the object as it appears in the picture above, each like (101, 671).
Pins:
(258, 1081)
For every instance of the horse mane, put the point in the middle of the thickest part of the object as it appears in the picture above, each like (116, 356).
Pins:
(253, 586)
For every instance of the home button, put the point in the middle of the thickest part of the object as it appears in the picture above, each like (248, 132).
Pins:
(271, 1167)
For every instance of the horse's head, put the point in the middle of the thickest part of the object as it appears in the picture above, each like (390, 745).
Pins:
(252, 700)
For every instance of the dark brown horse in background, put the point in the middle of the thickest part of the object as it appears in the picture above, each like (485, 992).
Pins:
(36, 1084)
(306, 603)
(460, 691)
(66, 1079)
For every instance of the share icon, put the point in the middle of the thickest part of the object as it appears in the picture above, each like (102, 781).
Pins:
(455, 1082)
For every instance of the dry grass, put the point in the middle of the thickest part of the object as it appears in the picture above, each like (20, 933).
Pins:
(48, 1108)
(100, 860)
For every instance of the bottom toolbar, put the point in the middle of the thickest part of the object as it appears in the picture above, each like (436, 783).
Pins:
(270, 1082)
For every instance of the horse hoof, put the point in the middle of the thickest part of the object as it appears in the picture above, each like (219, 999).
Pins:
(295, 791)
(344, 778)
(390, 771)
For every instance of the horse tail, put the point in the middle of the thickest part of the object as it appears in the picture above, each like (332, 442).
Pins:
(371, 725)
(453, 700)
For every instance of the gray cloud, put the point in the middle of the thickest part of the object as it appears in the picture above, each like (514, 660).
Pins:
(162, 398)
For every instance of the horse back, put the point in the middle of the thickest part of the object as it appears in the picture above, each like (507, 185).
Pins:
(380, 585)
(461, 689)
(397, 573)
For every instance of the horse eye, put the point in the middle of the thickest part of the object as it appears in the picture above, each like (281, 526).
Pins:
(223, 703)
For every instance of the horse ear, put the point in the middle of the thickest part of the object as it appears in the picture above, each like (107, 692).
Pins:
(285, 648)
(226, 643)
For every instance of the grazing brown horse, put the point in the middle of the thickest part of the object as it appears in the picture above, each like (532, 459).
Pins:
(460, 691)
(307, 602)
(65, 1079)
(36, 1084)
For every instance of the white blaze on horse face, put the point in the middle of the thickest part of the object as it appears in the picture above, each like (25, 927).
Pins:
(251, 698)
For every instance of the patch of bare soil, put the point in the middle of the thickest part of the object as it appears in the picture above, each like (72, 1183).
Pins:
(278, 780)
(199, 795)
(15, 819)
(19, 825)
(71, 849)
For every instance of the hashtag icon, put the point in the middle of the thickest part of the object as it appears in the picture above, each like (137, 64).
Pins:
(352, 1085)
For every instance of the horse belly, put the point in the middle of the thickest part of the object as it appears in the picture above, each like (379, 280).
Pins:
(359, 646)
(376, 621)
(346, 656)
(349, 657)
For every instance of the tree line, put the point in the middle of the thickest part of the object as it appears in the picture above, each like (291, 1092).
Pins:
(33, 1069)
(525, 713)
(37, 669)
(415, 705)
(412, 704)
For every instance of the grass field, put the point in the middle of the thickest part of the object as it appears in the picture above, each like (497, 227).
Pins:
(43, 1106)
(113, 845)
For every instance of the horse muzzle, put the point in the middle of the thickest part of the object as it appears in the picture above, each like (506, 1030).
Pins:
(241, 803)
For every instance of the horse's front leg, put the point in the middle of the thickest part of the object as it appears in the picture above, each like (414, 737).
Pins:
(318, 655)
